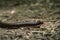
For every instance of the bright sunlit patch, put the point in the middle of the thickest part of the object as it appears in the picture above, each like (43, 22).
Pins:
(13, 11)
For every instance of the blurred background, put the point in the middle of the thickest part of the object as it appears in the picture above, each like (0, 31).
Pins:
(19, 10)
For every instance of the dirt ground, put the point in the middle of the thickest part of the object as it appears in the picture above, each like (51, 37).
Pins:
(45, 10)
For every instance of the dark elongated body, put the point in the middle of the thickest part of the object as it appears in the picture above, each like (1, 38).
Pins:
(19, 24)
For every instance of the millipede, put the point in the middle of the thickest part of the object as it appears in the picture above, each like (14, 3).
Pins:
(19, 24)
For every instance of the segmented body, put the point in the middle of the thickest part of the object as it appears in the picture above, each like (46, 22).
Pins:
(19, 24)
